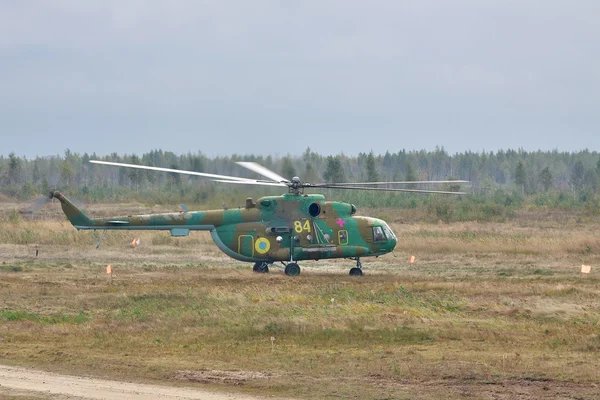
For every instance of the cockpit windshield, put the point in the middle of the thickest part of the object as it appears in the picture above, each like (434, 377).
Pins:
(388, 232)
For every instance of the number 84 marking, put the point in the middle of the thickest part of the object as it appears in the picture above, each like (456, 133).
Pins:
(299, 227)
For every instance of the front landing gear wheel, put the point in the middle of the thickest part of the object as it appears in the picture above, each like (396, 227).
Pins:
(261, 267)
(356, 271)
(292, 269)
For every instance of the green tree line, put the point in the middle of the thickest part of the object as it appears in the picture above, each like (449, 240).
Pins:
(514, 177)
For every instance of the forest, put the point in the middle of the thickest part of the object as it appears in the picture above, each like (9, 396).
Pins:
(501, 182)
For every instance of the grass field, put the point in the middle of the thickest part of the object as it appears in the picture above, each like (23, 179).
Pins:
(494, 310)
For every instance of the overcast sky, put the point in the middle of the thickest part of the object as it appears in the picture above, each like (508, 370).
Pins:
(274, 77)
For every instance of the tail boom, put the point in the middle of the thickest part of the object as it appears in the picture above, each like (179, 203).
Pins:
(179, 223)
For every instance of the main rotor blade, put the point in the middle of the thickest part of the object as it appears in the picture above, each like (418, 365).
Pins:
(385, 189)
(177, 171)
(259, 169)
(388, 183)
(249, 182)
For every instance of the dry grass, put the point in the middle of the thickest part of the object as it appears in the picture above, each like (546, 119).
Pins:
(21, 395)
(487, 311)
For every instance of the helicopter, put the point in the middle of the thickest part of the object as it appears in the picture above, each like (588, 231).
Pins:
(282, 229)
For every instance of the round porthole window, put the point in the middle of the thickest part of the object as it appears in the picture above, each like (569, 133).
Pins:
(314, 209)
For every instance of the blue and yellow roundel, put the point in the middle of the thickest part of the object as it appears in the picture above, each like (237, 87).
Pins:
(262, 245)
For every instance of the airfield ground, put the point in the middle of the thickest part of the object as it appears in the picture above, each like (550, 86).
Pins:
(488, 310)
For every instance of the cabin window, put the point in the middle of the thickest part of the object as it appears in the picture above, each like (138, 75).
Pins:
(343, 237)
(378, 235)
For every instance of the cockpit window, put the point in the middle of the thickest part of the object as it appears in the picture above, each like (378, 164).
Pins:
(378, 235)
(388, 232)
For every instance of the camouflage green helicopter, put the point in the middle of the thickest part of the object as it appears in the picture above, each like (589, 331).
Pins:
(288, 228)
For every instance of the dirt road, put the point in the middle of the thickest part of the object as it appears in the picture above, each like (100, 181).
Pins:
(15, 380)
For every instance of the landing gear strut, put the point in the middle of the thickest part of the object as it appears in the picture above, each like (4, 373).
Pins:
(357, 271)
(261, 267)
(292, 268)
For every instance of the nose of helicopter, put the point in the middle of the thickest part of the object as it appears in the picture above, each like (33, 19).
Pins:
(386, 238)
(392, 240)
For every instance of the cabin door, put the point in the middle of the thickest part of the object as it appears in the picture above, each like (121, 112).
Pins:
(246, 245)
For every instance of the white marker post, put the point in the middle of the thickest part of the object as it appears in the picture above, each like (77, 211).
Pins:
(109, 271)
(586, 269)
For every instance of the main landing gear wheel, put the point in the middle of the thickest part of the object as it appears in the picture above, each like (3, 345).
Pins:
(292, 269)
(261, 267)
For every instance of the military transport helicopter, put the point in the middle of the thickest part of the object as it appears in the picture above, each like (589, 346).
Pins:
(288, 228)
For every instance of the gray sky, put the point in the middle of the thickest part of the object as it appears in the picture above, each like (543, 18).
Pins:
(273, 77)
